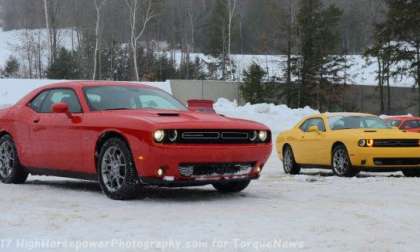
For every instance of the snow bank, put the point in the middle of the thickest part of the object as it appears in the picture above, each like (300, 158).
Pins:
(277, 117)
(12, 90)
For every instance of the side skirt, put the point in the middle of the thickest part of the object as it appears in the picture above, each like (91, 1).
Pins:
(314, 166)
(64, 174)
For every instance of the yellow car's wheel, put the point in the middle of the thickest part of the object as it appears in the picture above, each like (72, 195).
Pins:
(289, 164)
(341, 163)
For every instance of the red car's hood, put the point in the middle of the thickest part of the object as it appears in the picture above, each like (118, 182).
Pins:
(416, 130)
(187, 119)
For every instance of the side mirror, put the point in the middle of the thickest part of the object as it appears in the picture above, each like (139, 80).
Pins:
(314, 128)
(61, 108)
(204, 106)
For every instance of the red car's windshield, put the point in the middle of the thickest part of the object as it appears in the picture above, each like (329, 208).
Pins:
(128, 97)
(394, 123)
(411, 124)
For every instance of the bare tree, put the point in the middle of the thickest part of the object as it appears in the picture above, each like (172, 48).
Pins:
(232, 9)
(291, 20)
(190, 13)
(99, 4)
(138, 26)
(47, 25)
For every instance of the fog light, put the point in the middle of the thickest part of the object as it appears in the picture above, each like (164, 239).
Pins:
(160, 172)
(258, 169)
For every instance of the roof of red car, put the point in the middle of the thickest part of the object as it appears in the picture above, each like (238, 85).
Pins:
(401, 117)
(90, 83)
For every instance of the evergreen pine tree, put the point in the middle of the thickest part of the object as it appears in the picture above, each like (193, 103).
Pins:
(317, 66)
(12, 67)
(64, 66)
(253, 89)
(218, 34)
(402, 25)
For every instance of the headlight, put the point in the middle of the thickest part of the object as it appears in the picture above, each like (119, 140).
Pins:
(159, 135)
(262, 135)
(365, 143)
(253, 136)
(173, 135)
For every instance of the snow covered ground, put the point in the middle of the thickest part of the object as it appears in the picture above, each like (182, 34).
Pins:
(311, 212)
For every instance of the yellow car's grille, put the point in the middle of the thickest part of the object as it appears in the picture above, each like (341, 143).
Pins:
(396, 143)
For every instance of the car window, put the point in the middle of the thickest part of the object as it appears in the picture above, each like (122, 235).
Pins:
(412, 124)
(313, 122)
(67, 96)
(356, 122)
(129, 97)
(393, 123)
(153, 101)
(36, 103)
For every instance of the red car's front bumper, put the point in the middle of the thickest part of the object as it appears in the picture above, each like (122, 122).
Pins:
(185, 165)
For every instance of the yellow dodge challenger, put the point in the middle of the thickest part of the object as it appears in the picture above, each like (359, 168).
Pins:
(348, 143)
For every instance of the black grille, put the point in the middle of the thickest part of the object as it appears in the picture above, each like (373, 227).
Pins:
(219, 137)
(396, 161)
(396, 143)
(215, 169)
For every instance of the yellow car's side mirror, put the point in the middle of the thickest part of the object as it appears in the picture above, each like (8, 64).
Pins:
(313, 128)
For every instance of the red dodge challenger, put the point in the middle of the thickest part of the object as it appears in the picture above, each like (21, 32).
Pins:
(127, 136)
(405, 123)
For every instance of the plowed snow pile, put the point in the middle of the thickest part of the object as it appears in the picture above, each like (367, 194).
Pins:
(277, 117)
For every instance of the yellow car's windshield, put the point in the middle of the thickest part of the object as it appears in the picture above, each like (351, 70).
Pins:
(356, 122)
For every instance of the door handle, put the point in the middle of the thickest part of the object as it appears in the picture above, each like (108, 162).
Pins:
(37, 120)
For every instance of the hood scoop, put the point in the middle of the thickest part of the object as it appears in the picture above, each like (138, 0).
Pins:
(168, 114)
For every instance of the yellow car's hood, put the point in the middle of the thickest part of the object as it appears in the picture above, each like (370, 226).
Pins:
(380, 133)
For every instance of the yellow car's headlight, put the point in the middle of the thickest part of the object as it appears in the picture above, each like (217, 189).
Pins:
(362, 143)
(365, 143)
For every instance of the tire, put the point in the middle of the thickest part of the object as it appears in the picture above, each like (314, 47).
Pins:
(289, 164)
(232, 187)
(11, 171)
(117, 173)
(341, 163)
(411, 173)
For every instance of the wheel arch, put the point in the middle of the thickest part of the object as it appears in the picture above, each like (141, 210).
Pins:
(335, 144)
(284, 147)
(4, 132)
(106, 135)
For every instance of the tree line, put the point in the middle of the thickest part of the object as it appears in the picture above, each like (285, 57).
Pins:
(136, 40)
